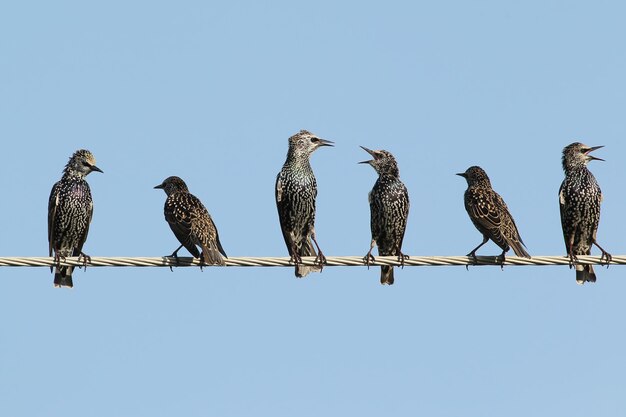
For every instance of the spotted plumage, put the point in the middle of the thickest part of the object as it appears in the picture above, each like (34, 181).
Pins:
(490, 214)
(191, 223)
(579, 200)
(70, 208)
(389, 209)
(295, 192)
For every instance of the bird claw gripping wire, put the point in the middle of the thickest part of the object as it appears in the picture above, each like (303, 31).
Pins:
(473, 261)
(175, 256)
(86, 260)
(401, 258)
(57, 261)
(367, 258)
(295, 258)
(573, 260)
(320, 260)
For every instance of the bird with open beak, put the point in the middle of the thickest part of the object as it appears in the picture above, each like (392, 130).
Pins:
(389, 211)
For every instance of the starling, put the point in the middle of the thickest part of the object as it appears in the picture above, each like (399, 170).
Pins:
(296, 190)
(70, 208)
(191, 223)
(579, 198)
(490, 214)
(389, 207)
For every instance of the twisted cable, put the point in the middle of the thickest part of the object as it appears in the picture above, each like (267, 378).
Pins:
(165, 261)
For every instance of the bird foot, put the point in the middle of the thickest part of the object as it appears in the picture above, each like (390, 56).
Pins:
(320, 260)
(57, 261)
(401, 258)
(367, 258)
(86, 259)
(474, 260)
(607, 257)
(295, 258)
(501, 260)
(573, 260)
(175, 256)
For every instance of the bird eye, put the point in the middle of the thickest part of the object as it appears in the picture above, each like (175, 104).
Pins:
(87, 164)
(314, 139)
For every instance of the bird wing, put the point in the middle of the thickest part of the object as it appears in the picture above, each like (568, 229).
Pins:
(79, 248)
(180, 222)
(563, 211)
(484, 209)
(53, 203)
(282, 209)
(509, 228)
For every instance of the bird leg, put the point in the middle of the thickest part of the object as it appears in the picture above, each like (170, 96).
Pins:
(605, 254)
(57, 260)
(502, 259)
(320, 258)
(472, 254)
(295, 257)
(401, 257)
(86, 259)
(175, 256)
(369, 257)
(573, 259)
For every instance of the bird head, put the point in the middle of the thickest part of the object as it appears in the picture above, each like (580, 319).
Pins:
(172, 185)
(383, 162)
(578, 155)
(475, 175)
(82, 163)
(304, 143)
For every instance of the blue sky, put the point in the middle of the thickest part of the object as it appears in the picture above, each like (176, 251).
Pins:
(210, 92)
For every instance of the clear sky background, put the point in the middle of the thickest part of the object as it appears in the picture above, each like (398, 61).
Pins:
(210, 92)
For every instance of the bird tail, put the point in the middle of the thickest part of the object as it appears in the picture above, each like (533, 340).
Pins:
(386, 275)
(518, 248)
(307, 249)
(584, 273)
(212, 256)
(63, 277)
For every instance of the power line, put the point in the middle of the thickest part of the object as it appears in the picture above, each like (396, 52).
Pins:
(331, 261)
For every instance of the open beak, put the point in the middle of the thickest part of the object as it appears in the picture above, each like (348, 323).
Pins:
(369, 151)
(324, 142)
(591, 157)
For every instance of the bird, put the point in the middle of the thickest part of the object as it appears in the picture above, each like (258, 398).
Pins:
(191, 223)
(490, 215)
(70, 209)
(295, 192)
(389, 209)
(579, 201)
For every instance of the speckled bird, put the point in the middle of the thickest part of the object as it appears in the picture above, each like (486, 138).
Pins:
(296, 190)
(579, 200)
(191, 223)
(389, 209)
(70, 208)
(490, 214)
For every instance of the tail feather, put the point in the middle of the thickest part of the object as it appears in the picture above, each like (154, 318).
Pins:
(212, 256)
(63, 277)
(386, 275)
(518, 248)
(585, 273)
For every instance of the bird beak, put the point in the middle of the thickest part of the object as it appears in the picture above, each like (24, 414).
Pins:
(369, 151)
(591, 157)
(324, 142)
(95, 168)
(462, 174)
(158, 187)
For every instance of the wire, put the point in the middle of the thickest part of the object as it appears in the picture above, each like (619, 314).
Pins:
(165, 261)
